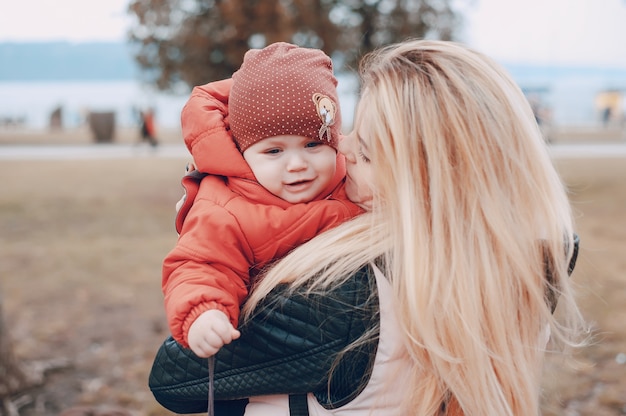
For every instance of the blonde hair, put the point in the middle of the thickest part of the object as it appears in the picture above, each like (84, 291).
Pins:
(470, 217)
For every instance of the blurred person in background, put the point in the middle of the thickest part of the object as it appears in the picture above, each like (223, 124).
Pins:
(147, 127)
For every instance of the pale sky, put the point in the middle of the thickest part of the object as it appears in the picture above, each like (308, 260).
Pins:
(585, 32)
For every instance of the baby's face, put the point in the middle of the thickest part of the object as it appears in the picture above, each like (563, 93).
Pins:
(294, 168)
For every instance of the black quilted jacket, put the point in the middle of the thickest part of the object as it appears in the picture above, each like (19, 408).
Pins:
(293, 344)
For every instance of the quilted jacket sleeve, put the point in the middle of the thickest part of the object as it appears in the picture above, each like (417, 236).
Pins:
(289, 346)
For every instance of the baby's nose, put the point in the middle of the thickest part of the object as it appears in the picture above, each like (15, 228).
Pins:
(296, 162)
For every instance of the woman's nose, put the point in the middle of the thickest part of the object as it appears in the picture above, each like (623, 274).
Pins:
(344, 147)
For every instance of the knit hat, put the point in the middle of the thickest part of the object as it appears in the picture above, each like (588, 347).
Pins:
(284, 89)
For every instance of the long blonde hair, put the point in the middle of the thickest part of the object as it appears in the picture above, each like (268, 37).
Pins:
(469, 213)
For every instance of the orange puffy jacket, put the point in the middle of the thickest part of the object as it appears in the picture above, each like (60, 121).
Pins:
(232, 227)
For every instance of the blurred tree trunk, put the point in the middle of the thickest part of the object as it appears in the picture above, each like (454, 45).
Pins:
(102, 125)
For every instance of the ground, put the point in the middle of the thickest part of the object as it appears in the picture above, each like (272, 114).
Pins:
(82, 245)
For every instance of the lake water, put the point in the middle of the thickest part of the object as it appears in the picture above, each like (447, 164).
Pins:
(571, 97)
(33, 102)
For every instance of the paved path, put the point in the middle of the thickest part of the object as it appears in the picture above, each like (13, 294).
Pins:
(573, 151)
(123, 151)
(94, 151)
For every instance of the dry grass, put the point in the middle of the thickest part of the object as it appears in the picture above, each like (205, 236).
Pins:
(82, 245)
(594, 383)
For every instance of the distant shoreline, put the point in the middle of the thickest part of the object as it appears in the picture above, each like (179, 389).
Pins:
(114, 61)
(66, 61)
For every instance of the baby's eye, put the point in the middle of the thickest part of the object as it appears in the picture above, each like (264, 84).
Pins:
(364, 158)
(314, 144)
(272, 151)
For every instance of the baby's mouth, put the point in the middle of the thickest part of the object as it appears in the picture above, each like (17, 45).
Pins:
(299, 184)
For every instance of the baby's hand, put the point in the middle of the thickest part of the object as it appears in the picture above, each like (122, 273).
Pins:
(209, 332)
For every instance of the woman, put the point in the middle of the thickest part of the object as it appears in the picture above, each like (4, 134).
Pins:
(468, 237)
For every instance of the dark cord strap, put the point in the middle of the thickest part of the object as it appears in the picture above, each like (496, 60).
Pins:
(211, 409)
(298, 405)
